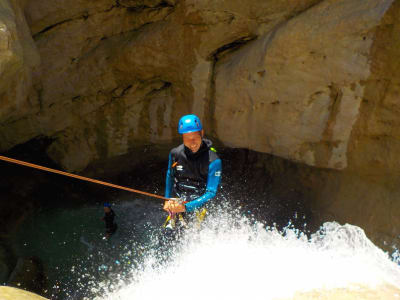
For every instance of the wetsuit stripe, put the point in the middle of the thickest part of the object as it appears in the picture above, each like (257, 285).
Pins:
(168, 186)
(213, 180)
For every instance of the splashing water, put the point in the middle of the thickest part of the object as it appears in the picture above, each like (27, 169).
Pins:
(233, 258)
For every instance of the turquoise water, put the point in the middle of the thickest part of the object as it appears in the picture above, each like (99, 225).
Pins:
(72, 246)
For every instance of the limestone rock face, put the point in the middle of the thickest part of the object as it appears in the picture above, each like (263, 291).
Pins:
(296, 91)
(18, 59)
(367, 192)
(77, 85)
(42, 15)
(116, 75)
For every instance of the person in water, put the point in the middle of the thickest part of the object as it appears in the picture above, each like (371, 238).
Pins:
(193, 175)
(108, 218)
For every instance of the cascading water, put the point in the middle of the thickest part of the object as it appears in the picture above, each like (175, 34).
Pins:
(231, 257)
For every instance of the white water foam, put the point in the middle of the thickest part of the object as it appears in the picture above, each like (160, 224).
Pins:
(236, 260)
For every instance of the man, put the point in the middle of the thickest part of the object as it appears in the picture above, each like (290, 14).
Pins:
(108, 218)
(194, 172)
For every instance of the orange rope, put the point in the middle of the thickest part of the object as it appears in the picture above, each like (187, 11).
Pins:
(19, 162)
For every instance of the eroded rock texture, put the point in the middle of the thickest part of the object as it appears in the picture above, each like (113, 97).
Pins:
(118, 74)
(312, 81)
(296, 91)
(18, 59)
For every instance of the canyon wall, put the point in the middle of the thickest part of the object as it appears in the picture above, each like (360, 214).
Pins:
(316, 82)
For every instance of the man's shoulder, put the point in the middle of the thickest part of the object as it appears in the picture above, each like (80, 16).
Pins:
(213, 156)
(212, 153)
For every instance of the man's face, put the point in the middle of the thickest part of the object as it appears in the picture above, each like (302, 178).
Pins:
(193, 140)
(107, 209)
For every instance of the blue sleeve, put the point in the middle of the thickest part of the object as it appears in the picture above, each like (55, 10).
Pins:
(213, 180)
(168, 184)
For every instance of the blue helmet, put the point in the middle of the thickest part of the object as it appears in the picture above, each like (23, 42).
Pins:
(107, 204)
(189, 123)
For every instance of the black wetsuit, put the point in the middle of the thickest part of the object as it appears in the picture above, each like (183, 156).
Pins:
(193, 177)
(111, 227)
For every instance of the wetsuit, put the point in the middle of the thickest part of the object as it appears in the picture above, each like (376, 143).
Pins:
(111, 227)
(193, 177)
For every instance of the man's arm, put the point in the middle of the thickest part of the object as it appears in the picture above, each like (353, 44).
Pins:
(213, 180)
(171, 206)
(169, 179)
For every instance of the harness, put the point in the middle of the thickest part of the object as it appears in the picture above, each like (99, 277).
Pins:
(189, 173)
(172, 220)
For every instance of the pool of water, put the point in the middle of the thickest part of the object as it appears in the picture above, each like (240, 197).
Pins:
(71, 243)
(230, 257)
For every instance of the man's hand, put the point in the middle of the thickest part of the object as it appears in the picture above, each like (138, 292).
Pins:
(173, 206)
